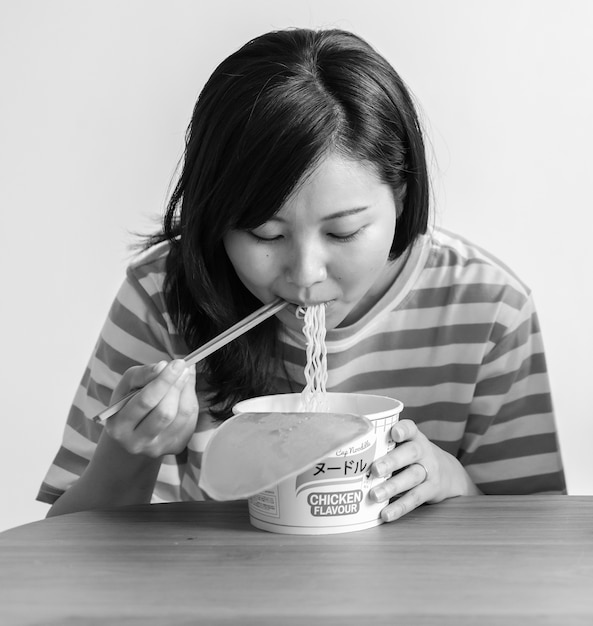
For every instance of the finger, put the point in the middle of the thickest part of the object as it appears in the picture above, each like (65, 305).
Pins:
(165, 412)
(406, 503)
(137, 377)
(174, 439)
(404, 430)
(403, 455)
(188, 400)
(139, 406)
(154, 391)
(122, 424)
(182, 406)
(401, 482)
(168, 428)
(140, 376)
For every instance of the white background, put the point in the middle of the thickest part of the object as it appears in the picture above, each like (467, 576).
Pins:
(95, 99)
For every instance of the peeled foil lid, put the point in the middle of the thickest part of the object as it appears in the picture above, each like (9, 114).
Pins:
(252, 452)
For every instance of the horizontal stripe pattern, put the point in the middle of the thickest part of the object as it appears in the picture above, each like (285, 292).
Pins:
(456, 339)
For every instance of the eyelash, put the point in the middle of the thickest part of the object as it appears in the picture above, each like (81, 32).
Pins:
(338, 238)
(346, 238)
(264, 239)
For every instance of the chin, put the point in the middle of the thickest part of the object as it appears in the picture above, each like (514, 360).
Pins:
(335, 316)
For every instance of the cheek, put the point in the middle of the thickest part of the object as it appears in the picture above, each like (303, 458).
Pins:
(238, 253)
(252, 265)
(368, 260)
(359, 269)
(233, 251)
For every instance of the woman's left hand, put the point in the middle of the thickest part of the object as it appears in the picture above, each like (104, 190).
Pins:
(425, 473)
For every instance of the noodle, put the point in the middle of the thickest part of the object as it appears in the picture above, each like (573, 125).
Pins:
(313, 396)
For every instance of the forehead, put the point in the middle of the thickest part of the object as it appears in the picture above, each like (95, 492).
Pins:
(337, 182)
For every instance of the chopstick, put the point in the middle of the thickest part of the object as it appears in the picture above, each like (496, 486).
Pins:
(207, 349)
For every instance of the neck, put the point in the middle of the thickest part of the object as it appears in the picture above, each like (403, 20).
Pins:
(378, 289)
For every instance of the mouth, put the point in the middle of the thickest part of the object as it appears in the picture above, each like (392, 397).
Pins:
(311, 303)
(298, 308)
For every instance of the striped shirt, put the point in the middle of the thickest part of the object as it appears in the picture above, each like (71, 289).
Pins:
(455, 338)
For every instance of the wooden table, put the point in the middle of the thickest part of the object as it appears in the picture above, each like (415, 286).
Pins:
(481, 560)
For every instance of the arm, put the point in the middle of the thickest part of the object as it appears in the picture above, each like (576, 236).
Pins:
(138, 332)
(158, 421)
(113, 478)
(510, 444)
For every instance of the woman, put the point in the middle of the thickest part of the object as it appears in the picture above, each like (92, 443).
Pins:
(305, 178)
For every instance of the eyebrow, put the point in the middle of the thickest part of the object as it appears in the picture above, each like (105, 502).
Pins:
(333, 216)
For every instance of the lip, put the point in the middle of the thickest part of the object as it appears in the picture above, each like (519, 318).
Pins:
(295, 305)
(291, 311)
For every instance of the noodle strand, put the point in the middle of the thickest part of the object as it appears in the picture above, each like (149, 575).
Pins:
(313, 396)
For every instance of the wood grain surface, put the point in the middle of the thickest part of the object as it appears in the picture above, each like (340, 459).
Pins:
(481, 560)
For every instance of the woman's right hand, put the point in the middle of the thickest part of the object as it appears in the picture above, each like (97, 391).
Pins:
(162, 416)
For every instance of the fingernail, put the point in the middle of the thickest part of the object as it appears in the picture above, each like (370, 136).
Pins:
(380, 468)
(387, 516)
(184, 376)
(379, 494)
(160, 366)
(178, 366)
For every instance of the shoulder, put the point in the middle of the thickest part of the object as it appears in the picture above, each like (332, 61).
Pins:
(463, 284)
(454, 260)
(453, 250)
(143, 291)
(149, 267)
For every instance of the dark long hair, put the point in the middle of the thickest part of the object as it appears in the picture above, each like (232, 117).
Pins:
(265, 117)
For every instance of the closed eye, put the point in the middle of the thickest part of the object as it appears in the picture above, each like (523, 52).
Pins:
(345, 238)
(261, 239)
(338, 237)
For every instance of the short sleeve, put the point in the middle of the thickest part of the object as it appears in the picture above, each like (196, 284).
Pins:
(510, 445)
(137, 331)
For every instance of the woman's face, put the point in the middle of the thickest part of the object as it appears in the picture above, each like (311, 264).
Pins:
(329, 243)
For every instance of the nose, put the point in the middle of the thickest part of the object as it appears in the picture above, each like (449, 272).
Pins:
(306, 265)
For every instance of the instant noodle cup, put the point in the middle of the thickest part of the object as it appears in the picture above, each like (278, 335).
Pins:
(332, 496)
